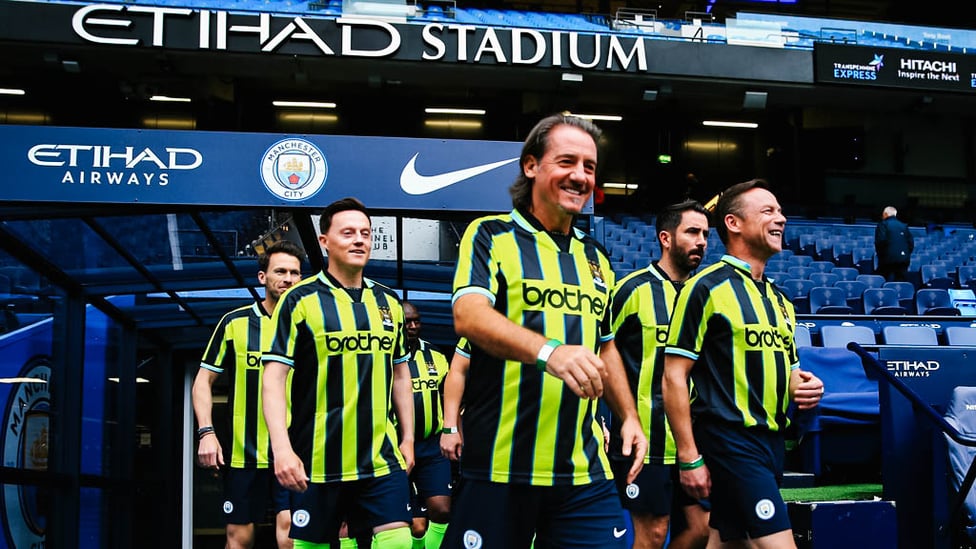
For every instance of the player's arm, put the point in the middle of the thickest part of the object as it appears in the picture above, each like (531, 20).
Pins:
(451, 443)
(209, 452)
(621, 401)
(579, 368)
(288, 466)
(677, 407)
(403, 407)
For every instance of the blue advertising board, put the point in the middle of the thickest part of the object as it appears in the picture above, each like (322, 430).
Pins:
(96, 165)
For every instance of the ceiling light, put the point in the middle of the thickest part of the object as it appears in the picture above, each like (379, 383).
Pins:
(603, 117)
(454, 124)
(138, 380)
(650, 95)
(727, 124)
(305, 104)
(448, 110)
(308, 117)
(169, 99)
(11, 91)
(572, 77)
(627, 186)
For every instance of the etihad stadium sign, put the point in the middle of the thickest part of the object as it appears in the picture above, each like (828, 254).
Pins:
(145, 26)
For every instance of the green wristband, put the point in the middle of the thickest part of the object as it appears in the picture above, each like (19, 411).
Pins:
(698, 462)
(545, 352)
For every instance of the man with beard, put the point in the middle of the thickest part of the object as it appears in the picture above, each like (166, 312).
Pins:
(641, 310)
(235, 347)
(731, 332)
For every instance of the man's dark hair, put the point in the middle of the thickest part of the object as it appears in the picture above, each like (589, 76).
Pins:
(279, 247)
(536, 145)
(341, 205)
(731, 203)
(670, 217)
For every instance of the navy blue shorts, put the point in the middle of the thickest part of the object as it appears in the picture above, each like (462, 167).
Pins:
(249, 492)
(486, 515)
(317, 513)
(431, 474)
(650, 493)
(746, 467)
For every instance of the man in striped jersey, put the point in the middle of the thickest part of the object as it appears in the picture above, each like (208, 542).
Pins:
(732, 332)
(641, 309)
(341, 335)
(235, 348)
(431, 476)
(532, 294)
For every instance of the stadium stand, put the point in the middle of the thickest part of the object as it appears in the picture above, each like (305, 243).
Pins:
(854, 291)
(906, 294)
(935, 275)
(823, 278)
(873, 280)
(802, 337)
(846, 273)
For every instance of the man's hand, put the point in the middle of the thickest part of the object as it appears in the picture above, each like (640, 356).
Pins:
(209, 454)
(697, 482)
(451, 444)
(634, 445)
(290, 471)
(406, 450)
(808, 391)
(579, 368)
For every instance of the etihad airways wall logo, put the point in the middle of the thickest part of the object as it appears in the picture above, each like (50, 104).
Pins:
(913, 368)
(294, 169)
(856, 71)
(96, 164)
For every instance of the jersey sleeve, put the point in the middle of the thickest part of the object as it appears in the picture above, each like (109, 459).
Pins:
(285, 321)
(216, 351)
(476, 270)
(689, 322)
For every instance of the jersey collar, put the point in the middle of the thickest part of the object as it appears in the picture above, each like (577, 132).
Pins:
(738, 264)
(258, 309)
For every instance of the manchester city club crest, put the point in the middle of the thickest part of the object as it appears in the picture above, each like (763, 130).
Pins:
(294, 169)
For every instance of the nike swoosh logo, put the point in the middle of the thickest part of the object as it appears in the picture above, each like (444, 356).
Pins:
(619, 533)
(413, 183)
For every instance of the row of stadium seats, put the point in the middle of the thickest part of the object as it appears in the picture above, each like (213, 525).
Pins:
(840, 336)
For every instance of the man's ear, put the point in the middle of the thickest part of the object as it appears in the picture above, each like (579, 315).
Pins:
(664, 238)
(732, 223)
(530, 166)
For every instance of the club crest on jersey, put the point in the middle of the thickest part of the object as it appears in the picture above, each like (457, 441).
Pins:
(387, 317)
(597, 273)
(431, 368)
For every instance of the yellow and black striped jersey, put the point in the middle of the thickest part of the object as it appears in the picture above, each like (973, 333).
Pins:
(521, 425)
(640, 313)
(428, 367)
(739, 332)
(235, 348)
(341, 350)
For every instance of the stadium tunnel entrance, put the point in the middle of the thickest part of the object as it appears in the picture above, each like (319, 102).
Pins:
(111, 291)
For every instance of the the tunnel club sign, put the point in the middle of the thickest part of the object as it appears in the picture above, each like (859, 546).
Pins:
(347, 37)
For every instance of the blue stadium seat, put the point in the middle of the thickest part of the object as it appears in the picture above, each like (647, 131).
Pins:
(776, 276)
(845, 427)
(882, 301)
(827, 300)
(935, 276)
(872, 280)
(840, 336)
(909, 335)
(801, 336)
(934, 301)
(863, 258)
(800, 272)
(961, 335)
(800, 260)
(822, 266)
(854, 290)
(824, 279)
(777, 265)
(844, 253)
(846, 273)
(965, 273)
(906, 294)
(799, 290)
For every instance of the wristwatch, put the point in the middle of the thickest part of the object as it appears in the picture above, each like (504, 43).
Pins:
(449, 430)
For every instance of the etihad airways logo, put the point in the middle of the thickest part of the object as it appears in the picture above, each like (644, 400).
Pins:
(568, 298)
(416, 184)
(913, 368)
(85, 163)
